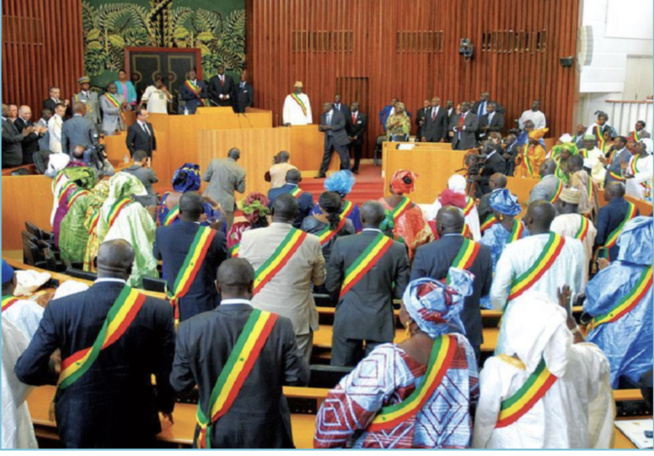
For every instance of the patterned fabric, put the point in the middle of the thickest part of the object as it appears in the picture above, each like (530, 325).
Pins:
(529, 161)
(209, 211)
(388, 376)
(411, 227)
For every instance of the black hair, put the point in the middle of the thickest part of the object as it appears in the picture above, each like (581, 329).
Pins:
(331, 202)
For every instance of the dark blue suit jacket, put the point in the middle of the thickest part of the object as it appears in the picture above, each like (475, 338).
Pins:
(305, 201)
(113, 405)
(434, 260)
(171, 245)
(192, 101)
(608, 219)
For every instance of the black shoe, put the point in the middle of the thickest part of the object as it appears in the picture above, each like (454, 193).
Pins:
(355, 171)
(320, 176)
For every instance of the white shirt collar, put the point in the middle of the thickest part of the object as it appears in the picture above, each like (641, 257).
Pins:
(234, 301)
(110, 279)
(372, 229)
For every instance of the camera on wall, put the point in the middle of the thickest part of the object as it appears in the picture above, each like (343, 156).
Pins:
(466, 49)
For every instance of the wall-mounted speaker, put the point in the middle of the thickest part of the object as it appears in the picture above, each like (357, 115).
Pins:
(566, 62)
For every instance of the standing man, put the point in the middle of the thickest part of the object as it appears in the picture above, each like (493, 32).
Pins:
(194, 92)
(598, 128)
(44, 140)
(225, 176)
(89, 99)
(549, 187)
(578, 138)
(364, 316)
(297, 108)
(78, 130)
(453, 250)
(276, 175)
(12, 141)
(332, 122)
(510, 152)
(54, 100)
(490, 122)
(287, 262)
(55, 125)
(479, 107)
(221, 88)
(611, 219)
(140, 135)
(496, 183)
(157, 96)
(639, 131)
(620, 155)
(535, 115)
(340, 106)
(436, 122)
(386, 112)
(357, 128)
(208, 349)
(31, 141)
(292, 187)
(142, 170)
(463, 128)
(191, 255)
(244, 97)
(421, 116)
(105, 396)
(112, 105)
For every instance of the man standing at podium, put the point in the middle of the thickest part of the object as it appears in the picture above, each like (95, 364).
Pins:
(221, 88)
(332, 122)
(297, 108)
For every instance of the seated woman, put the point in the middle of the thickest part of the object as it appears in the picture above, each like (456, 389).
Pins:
(187, 179)
(416, 394)
(455, 195)
(255, 210)
(328, 224)
(410, 226)
(552, 391)
(342, 183)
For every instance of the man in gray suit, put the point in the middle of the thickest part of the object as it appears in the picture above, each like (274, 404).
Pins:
(463, 128)
(90, 101)
(548, 185)
(364, 314)
(332, 122)
(225, 176)
(77, 131)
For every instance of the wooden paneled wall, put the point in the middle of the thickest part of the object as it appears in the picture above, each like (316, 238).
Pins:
(410, 50)
(42, 46)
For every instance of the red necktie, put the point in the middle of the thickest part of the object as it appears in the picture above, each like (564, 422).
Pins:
(354, 118)
(222, 81)
(462, 119)
(433, 114)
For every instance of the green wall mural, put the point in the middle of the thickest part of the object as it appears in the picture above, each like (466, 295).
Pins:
(217, 28)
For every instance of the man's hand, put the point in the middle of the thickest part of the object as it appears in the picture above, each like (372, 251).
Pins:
(424, 139)
(66, 102)
(167, 417)
(564, 294)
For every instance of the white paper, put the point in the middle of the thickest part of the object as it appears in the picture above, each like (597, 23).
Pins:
(635, 431)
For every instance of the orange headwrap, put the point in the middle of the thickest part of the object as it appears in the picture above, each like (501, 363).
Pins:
(403, 182)
(537, 135)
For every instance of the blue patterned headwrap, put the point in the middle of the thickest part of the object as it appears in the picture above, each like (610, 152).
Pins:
(340, 182)
(635, 241)
(187, 178)
(505, 203)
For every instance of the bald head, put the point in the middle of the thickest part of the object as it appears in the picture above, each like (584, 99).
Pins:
(372, 214)
(115, 259)
(5, 110)
(449, 220)
(79, 108)
(548, 167)
(191, 206)
(576, 163)
(614, 190)
(234, 153)
(293, 176)
(539, 217)
(235, 279)
(497, 180)
(285, 209)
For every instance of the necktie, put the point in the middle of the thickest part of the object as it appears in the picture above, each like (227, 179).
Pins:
(222, 81)
(482, 106)
(329, 118)
(354, 117)
(145, 128)
(462, 119)
(433, 114)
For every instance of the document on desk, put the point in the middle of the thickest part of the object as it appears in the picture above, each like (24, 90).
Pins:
(635, 431)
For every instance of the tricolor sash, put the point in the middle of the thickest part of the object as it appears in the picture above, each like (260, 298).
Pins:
(440, 360)
(233, 250)
(121, 314)
(533, 390)
(299, 101)
(470, 203)
(171, 216)
(401, 208)
(615, 176)
(348, 207)
(557, 193)
(612, 239)
(626, 303)
(8, 301)
(115, 211)
(517, 231)
(93, 220)
(527, 161)
(76, 194)
(327, 234)
(194, 88)
(191, 266)
(57, 179)
(296, 192)
(467, 233)
(583, 229)
(278, 259)
(113, 100)
(364, 262)
(490, 221)
(527, 279)
(600, 137)
(63, 190)
(466, 256)
(235, 371)
(636, 137)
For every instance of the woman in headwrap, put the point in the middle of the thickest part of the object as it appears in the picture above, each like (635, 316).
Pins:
(398, 123)
(409, 225)
(342, 183)
(255, 210)
(73, 236)
(187, 179)
(548, 390)
(561, 154)
(625, 338)
(328, 225)
(415, 394)
(69, 183)
(532, 155)
(97, 197)
(455, 195)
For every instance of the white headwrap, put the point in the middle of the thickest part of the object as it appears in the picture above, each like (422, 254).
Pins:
(649, 145)
(457, 183)
(566, 137)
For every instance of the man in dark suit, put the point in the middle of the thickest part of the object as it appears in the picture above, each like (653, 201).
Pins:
(113, 404)
(436, 123)
(449, 107)
(421, 115)
(78, 130)
(496, 182)
(463, 128)
(435, 259)
(12, 141)
(492, 121)
(259, 416)
(480, 107)
(340, 106)
(194, 92)
(364, 315)
(357, 124)
(494, 163)
(221, 88)
(510, 152)
(172, 245)
(611, 215)
(244, 97)
(52, 102)
(140, 135)
(292, 186)
(332, 122)
(31, 141)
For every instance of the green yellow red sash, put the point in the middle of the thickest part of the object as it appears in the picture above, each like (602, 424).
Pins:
(583, 229)
(401, 208)
(236, 370)
(557, 193)
(63, 190)
(8, 301)
(191, 266)
(613, 237)
(113, 100)
(327, 233)
(296, 192)
(633, 166)
(530, 168)
(171, 216)
(470, 203)
(600, 137)
(278, 259)
(299, 101)
(550, 253)
(627, 302)
(364, 262)
(591, 189)
(490, 221)
(93, 220)
(534, 389)
(57, 179)
(233, 250)
(636, 137)
(194, 88)
(517, 231)
(467, 233)
(440, 360)
(115, 210)
(348, 207)
(466, 256)
(615, 176)
(121, 314)
(76, 194)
